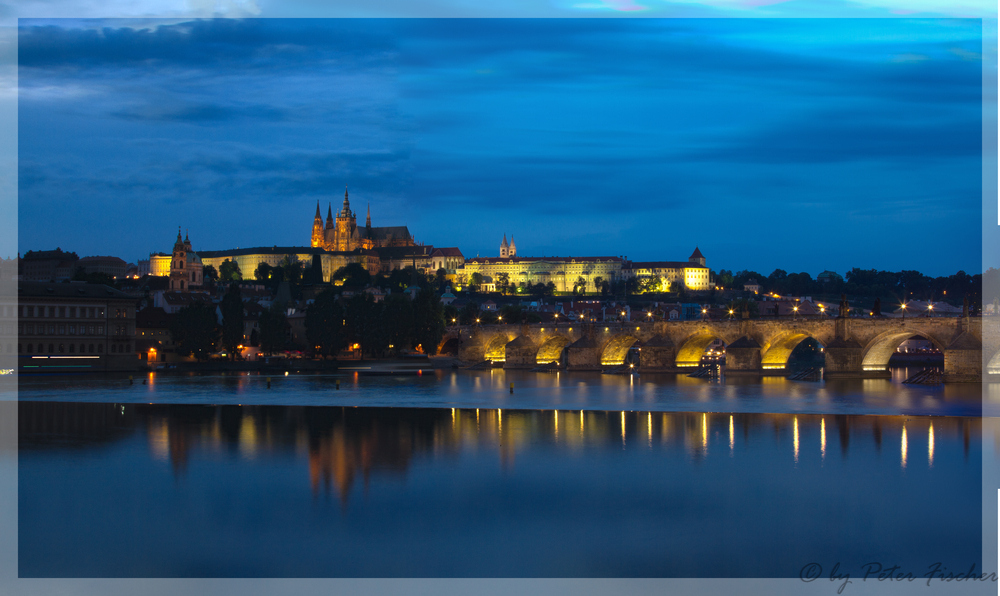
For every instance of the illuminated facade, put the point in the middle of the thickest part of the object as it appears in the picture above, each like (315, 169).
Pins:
(691, 274)
(564, 272)
(249, 258)
(342, 234)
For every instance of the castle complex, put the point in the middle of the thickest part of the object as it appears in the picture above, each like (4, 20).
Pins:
(343, 234)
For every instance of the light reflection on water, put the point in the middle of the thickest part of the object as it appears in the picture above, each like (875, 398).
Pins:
(490, 389)
(249, 489)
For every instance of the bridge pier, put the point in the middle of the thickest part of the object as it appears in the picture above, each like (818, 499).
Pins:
(743, 357)
(583, 354)
(520, 353)
(843, 358)
(963, 360)
(658, 355)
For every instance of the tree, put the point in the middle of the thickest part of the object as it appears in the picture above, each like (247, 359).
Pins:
(428, 321)
(194, 331)
(397, 319)
(232, 319)
(503, 282)
(441, 278)
(475, 282)
(325, 328)
(208, 273)
(650, 285)
(469, 313)
(293, 270)
(364, 322)
(230, 271)
(273, 329)
(738, 306)
(262, 272)
(352, 275)
(580, 285)
(95, 277)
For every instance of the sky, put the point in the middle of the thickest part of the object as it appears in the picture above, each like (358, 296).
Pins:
(800, 144)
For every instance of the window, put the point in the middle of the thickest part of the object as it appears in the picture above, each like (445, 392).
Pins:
(62, 329)
(52, 329)
(52, 348)
(71, 346)
(39, 349)
(100, 348)
(62, 348)
(83, 348)
(91, 348)
(72, 329)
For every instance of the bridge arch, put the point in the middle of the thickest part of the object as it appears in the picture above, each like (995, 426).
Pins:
(693, 348)
(780, 349)
(615, 351)
(876, 354)
(551, 351)
(495, 351)
(993, 366)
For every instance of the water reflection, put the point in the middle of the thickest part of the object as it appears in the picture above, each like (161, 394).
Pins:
(342, 443)
(458, 481)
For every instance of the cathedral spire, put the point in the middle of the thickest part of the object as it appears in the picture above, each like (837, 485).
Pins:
(368, 220)
(319, 216)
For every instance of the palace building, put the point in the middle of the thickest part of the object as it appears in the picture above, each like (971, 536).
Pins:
(342, 234)
(566, 272)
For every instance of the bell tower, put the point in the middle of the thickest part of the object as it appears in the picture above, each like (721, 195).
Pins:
(317, 233)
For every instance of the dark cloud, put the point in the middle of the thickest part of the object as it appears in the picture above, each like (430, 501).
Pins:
(642, 137)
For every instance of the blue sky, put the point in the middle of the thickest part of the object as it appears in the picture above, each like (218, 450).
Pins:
(804, 144)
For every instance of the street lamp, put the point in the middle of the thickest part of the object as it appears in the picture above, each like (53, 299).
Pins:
(795, 310)
(903, 308)
(930, 308)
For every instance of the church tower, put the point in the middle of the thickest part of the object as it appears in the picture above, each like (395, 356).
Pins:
(346, 223)
(504, 247)
(317, 233)
(513, 249)
(178, 275)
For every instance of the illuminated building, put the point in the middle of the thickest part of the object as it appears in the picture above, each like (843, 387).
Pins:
(342, 234)
(185, 266)
(564, 272)
(249, 258)
(691, 274)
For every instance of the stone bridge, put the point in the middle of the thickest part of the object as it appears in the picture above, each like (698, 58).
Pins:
(852, 347)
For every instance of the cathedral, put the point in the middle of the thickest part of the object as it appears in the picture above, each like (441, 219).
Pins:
(342, 234)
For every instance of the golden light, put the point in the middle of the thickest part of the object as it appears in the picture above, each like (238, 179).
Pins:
(704, 310)
(930, 307)
(730, 311)
(477, 320)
